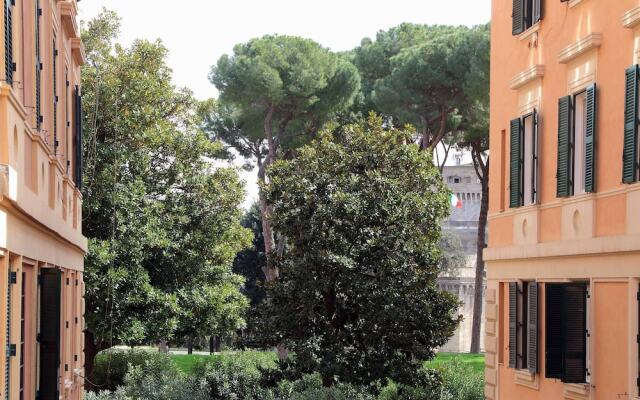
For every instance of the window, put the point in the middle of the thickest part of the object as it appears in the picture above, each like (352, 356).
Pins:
(39, 118)
(526, 13)
(54, 73)
(467, 179)
(523, 326)
(566, 352)
(524, 161)
(577, 143)
(631, 151)
(456, 179)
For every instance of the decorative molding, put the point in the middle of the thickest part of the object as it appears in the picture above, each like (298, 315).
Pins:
(529, 32)
(77, 50)
(4, 181)
(571, 52)
(574, 3)
(573, 391)
(69, 11)
(527, 379)
(526, 76)
(631, 18)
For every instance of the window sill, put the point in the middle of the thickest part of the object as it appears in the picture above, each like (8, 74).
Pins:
(574, 3)
(526, 378)
(577, 391)
(529, 32)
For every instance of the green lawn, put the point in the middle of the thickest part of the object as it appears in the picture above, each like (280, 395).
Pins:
(186, 363)
(475, 361)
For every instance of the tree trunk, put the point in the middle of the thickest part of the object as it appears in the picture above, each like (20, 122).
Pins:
(270, 272)
(479, 282)
(214, 344)
(91, 350)
(190, 344)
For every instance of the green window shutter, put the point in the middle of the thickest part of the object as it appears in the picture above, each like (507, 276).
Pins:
(518, 17)
(532, 344)
(8, 40)
(39, 118)
(630, 152)
(513, 323)
(590, 140)
(564, 147)
(77, 176)
(534, 158)
(575, 333)
(554, 342)
(516, 164)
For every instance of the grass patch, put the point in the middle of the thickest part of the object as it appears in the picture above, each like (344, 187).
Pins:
(473, 361)
(263, 359)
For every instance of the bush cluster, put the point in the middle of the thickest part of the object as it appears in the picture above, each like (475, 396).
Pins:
(153, 376)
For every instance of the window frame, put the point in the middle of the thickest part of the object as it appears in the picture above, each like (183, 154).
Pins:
(533, 183)
(519, 352)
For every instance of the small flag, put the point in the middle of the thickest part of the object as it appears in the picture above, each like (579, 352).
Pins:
(455, 201)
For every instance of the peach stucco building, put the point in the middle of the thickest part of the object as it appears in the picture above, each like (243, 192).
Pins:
(41, 242)
(563, 262)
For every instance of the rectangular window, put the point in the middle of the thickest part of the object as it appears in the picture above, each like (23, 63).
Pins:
(524, 160)
(631, 151)
(577, 143)
(566, 348)
(9, 66)
(54, 73)
(526, 13)
(523, 326)
(39, 118)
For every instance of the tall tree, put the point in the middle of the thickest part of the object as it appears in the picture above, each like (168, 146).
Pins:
(474, 136)
(158, 216)
(357, 299)
(276, 90)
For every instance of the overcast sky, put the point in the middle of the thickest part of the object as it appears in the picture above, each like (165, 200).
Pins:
(198, 32)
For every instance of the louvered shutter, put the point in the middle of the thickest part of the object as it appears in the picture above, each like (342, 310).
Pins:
(8, 40)
(532, 342)
(535, 161)
(49, 335)
(575, 334)
(538, 10)
(518, 17)
(553, 330)
(78, 139)
(590, 139)
(564, 143)
(513, 323)
(630, 152)
(39, 118)
(516, 164)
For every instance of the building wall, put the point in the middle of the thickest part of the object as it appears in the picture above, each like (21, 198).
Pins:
(40, 204)
(592, 238)
(463, 182)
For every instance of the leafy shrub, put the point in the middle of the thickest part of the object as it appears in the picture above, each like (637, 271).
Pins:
(154, 380)
(111, 367)
(461, 382)
(231, 378)
(310, 388)
(107, 395)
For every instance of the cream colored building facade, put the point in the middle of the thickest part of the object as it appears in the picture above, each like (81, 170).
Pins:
(41, 243)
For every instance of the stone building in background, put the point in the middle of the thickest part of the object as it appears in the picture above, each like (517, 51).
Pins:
(463, 182)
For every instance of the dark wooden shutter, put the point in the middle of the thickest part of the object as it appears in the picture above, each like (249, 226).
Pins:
(538, 10)
(554, 342)
(518, 17)
(575, 333)
(38, 68)
(534, 158)
(54, 69)
(8, 40)
(564, 147)
(516, 164)
(630, 153)
(49, 336)
(513, 323)
(532, 343)
(78, 139)
(590, 139)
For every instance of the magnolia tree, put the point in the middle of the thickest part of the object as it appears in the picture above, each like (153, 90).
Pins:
(357, 299)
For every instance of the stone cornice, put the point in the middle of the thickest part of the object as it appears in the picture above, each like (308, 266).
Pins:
(69, 11)
(526, 76)
(571, 52)
(631, 18)
(77, 50)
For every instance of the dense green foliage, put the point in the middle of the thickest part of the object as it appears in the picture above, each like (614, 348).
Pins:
(453, 257)
(163, 224)
(237, 376)
(356, 300)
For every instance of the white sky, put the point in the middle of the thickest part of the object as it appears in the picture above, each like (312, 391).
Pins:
(198, 32)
